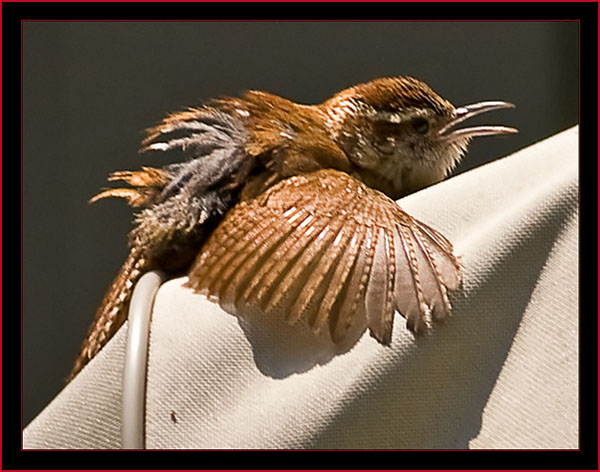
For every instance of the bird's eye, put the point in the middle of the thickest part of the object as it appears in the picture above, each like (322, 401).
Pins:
(420, 125)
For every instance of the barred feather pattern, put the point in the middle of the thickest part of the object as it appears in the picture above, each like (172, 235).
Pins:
(113, 310)
(325, 248)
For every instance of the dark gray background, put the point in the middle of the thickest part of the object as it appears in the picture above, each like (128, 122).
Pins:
(90, 88)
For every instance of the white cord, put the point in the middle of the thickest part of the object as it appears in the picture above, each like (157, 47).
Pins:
(136, 356)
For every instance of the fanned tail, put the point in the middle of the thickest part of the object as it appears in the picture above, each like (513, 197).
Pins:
(113, 311)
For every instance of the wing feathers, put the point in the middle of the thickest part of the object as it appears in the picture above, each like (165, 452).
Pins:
(269, 285)
(441, 251)
(238, 282)
(417, 311)
(313, 290)
(303, 267)
(435, 291)
(297, 220)
(237, 254)
(341, 321)
(324, 248)
(233, 236)
(380, 290)
(353, 302)
(328, 286)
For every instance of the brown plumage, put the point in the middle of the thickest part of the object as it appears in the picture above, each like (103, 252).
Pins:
(113, 310)
(288, 209)
(322, 246)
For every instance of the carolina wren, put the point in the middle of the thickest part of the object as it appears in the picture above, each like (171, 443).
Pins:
(288, 208)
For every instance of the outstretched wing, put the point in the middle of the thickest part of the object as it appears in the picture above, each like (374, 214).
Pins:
(327, 248)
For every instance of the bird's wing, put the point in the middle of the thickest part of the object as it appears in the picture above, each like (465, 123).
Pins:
(326, 248)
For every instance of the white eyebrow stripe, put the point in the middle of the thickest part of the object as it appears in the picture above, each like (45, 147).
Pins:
(401, 116)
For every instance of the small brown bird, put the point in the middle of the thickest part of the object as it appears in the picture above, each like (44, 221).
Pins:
(289, 209)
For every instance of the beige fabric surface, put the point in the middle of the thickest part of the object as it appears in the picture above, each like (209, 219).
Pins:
(501, 373)
(87, 413)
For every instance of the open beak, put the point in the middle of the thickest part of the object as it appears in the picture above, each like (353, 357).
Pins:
(460, 114)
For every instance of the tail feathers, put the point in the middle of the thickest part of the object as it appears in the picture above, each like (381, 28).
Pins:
(113, 311)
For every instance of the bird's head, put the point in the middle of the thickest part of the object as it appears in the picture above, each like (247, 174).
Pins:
(403, 131)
